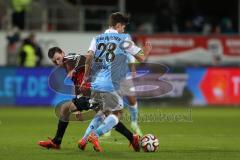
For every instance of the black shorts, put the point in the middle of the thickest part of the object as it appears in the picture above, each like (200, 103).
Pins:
(82, 103)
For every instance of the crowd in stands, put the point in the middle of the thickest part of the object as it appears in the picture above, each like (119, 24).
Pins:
(166, 19)
(24, 52)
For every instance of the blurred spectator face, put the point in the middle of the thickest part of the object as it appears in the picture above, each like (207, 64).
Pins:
(58, 58)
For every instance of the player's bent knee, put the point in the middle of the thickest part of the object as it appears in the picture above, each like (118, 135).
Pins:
(118, 113)
(67, 108)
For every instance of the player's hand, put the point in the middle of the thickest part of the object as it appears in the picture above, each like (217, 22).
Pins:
(70, 73)
(147, 48)
(83, 84)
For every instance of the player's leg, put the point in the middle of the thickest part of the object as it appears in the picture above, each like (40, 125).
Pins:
(108, 134)
(110, 121)
(65, 110)
(63, 121)
(127, 88)
(133, 138)
(133, 109)
(95, 123)
(111, 102)
(120, 127)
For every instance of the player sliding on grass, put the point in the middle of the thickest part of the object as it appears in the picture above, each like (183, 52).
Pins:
(74, 65)
(106, 64)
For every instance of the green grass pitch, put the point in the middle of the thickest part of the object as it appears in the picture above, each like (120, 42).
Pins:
(196, 134)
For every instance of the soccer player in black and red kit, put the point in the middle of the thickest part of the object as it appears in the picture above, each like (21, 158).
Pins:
(74, 65)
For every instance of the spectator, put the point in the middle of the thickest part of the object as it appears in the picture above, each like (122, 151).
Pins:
(217, 29)
(198, 22)
(38, 49)
(13, 38)
(188, 28)
(30, 53)
(207, 28)
(18, 15)
(226, 26)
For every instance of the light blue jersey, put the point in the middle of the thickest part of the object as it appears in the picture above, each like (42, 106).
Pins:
(109, 65)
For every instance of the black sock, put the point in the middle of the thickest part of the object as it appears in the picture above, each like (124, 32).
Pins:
(60, 132)
(121, 128)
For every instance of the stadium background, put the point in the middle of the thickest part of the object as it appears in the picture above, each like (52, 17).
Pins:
(197, 40)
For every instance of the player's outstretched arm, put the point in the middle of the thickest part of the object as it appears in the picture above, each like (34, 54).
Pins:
(143, 54)
(88, 63)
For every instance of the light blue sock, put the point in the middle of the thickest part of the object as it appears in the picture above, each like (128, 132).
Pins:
(133, 112)
(94, 124)
(107, 125)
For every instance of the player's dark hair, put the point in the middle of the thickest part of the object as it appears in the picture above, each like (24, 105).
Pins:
(118, 17)
(53, 50)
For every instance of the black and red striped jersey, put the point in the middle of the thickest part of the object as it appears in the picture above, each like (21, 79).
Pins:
(74, 61)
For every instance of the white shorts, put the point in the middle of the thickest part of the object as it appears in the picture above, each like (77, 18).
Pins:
(127, 87)
(111, 101)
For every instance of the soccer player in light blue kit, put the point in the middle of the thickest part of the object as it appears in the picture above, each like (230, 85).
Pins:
(106, 64)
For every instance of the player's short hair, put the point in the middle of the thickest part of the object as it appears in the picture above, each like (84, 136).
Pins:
(118, 17)
(53, 50)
